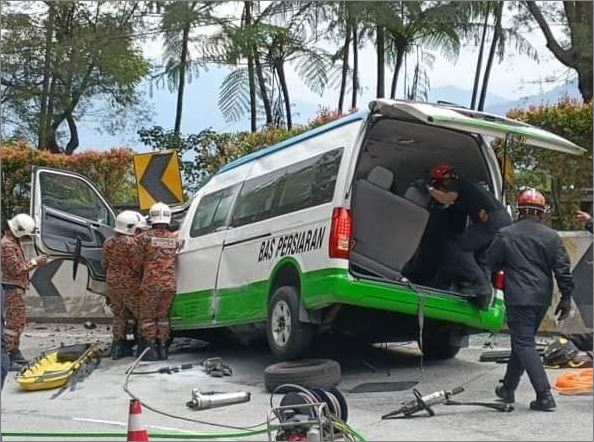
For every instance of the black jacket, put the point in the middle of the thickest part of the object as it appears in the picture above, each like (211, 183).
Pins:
(530, 253)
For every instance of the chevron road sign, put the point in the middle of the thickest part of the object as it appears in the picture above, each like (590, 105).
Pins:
(158, 178)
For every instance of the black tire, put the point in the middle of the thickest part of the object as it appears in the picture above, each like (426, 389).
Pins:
(437, 347)
(288, 340)
(307, 373)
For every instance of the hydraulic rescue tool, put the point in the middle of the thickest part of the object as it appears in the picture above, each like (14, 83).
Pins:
(204, 401)
(424, 403)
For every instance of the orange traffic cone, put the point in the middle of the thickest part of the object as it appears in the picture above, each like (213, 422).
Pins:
(136, 432)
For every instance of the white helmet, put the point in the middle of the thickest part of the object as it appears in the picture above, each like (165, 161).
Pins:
(160, 214)
(21, 225)
(126, 222)
(140, 221)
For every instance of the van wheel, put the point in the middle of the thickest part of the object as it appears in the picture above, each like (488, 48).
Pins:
(287, 337)
(437, 347)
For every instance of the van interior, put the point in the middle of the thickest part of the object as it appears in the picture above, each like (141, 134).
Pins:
(399, 231)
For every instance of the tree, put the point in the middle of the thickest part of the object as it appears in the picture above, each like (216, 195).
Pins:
(179, 18)
(496, 38)
(577, 52)
(413, 26)
(93, 59)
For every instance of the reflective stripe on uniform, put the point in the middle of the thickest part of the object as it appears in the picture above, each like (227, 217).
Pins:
(147, 324)
(10, 332)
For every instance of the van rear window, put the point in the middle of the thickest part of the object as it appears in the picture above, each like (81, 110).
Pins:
(301, 185)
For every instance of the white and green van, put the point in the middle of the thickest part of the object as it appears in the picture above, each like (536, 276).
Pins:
(316, 232)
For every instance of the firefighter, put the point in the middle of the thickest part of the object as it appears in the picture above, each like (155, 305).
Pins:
(123, 281)
(488, 215)
(156, 257)
(530, 253)
(15, 281)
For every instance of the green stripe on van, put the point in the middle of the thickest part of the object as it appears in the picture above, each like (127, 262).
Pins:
(326, 287)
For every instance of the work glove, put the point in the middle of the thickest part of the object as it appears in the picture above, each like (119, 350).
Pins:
(563, 308)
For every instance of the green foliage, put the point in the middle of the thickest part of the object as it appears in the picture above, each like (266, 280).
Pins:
(91, 54)
(206, 152)
(563, 177)
(111, 171)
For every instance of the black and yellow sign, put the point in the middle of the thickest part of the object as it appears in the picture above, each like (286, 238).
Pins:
(158, 178)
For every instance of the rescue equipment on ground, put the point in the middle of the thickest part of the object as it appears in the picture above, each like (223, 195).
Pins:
(424, 403)
(309, 414)
(562, 353)
(216, 368)
(204, 401)
(59, 367)
(574, 382)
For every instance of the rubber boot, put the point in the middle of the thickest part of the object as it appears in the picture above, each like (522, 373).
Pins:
(120, 349)
(544, 402)
(505, 394)
(163, 350)
(152, 354)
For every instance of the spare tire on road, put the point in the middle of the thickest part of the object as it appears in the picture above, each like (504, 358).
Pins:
(307, 373)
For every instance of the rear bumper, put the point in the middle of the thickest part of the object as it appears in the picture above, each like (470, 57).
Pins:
(337, 286)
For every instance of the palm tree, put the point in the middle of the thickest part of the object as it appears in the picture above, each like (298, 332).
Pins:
(179, 18)
(413, 27)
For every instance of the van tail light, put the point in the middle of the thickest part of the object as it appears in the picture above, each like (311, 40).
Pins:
(499, 280)
(340, 233)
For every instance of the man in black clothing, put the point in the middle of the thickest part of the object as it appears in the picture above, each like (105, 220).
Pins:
(464, 250)
(530, 253)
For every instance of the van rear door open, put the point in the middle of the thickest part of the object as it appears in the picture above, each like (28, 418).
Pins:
(477, 122)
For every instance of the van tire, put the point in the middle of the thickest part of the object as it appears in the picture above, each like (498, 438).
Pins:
(307, 373)
(437, 347)
(288, 338)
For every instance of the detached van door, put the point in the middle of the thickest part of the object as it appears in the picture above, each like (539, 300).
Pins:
(73, 220)
(476, 122)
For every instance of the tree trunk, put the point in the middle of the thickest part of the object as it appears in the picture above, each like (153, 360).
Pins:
(263, 90)
(43, 112)
(489, 66)
(585, 82)
(280, 70)
(345, 67)
(50, 132)
(182, 80)
(380, 50)
(74, 142)
(355, 67)
(399, 59)
(479, 62)
(251, 73)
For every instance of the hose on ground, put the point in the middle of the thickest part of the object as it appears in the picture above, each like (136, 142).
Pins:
(574, 382)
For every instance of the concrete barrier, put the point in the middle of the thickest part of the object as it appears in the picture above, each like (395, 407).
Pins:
(54, 294)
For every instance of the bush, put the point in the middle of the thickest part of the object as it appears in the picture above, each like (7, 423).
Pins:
(111, 171)
(563, 177)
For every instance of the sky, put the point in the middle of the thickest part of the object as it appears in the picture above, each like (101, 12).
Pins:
(517, 76)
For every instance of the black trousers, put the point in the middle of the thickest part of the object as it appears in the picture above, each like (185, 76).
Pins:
(464, 253)
(523, 322)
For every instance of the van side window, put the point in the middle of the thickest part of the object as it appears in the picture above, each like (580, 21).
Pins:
(301, 185)
(212, 211)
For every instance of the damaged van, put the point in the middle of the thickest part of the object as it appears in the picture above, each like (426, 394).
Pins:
(320, 231)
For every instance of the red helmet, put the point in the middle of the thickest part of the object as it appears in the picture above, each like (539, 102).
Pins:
(532, 199)
(440, 171)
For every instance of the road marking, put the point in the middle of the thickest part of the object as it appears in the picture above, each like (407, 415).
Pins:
(125, 424)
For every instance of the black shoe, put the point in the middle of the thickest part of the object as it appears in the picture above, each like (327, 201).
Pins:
(163, 350)
(16, 357)
(120, 349)
(152, 354)
(543, 402)
(504, 394)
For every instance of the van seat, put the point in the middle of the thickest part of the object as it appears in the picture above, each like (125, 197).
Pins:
(387, 229)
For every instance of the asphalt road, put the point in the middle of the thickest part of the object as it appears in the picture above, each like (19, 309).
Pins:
(99, 404)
